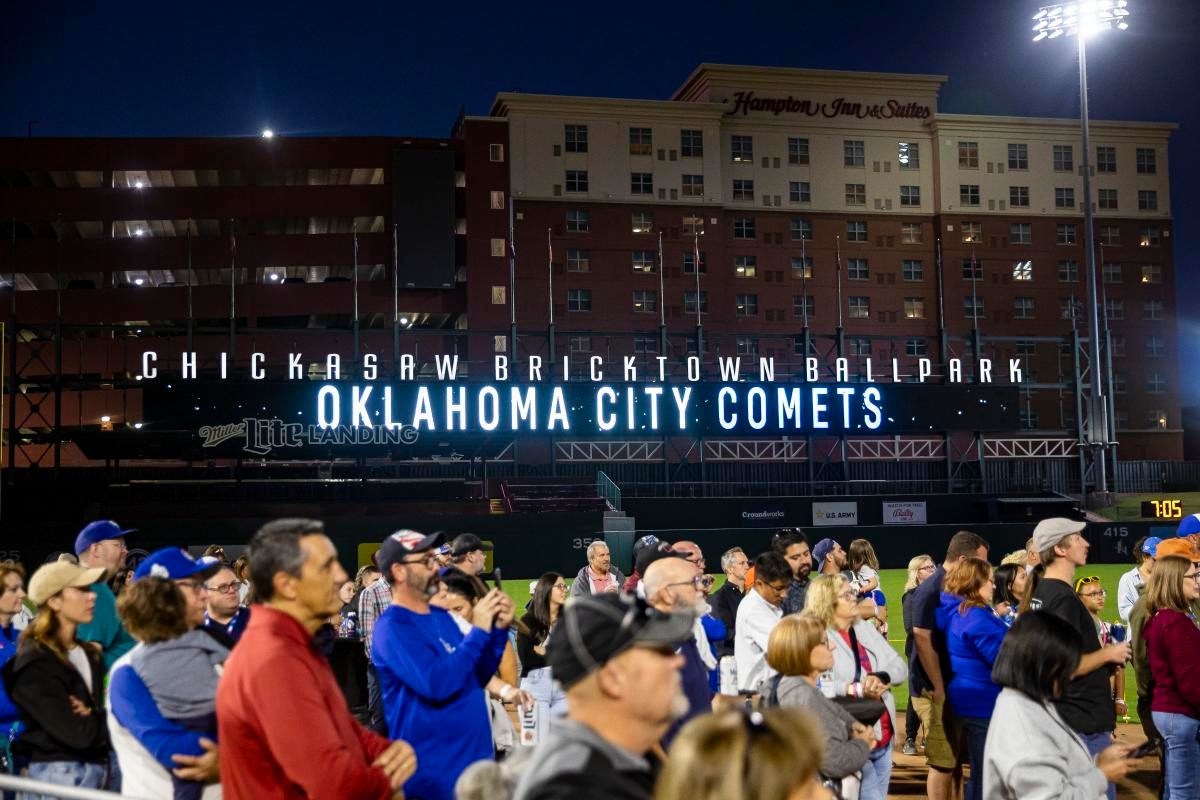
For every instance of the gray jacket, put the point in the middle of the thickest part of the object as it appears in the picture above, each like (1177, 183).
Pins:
(883, 659)
(582, 587)
(844, 755)
(182, 673)
(1032, 754)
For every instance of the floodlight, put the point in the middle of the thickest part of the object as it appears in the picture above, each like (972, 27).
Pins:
(268, 133)
(106, 418)
(138, 281)
(1080, 18)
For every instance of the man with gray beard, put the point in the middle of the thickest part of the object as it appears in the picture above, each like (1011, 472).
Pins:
(616, 658)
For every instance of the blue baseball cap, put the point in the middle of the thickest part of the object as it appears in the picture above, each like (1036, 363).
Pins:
(1189, 525)
(174, 563)
(821, 552)
(99, 531)
(1151, 545)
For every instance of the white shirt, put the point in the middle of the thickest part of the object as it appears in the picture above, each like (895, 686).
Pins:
(756, 618)
(1127, 592)
(79, 661)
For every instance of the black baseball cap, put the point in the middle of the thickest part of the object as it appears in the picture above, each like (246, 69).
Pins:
(467, 542)
(402, 544)
(595, 628)
(651, 553)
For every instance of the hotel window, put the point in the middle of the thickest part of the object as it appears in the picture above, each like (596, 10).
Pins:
(1020, 233)
(1022, 271)
(496, 152)
(499, 295)
(1157, 418)
(972, 232)
(856, 231)
(802, 268)
(972, 307)
(746, 305)
(968, 194)
(644, 262)
(579, 300)
(1148, 236)
(743, 228)
(910, 233)
(799, 192)
(1023, 308)
(857, 269)
(691, 143)
(645, 302)
(640, 142)
(576, 139)
(916, 347)
(914, 308)
(913, 270)
(743, 190)
(910, 195)
(577, 180)
(745, 266)
(499, 344)
(689, 302)
(1068, 272)
(860, 308)
(1066, 233)
(1152, 309)
(909, 155)
(801, 230)
(972, 269)
(692, 225)
(854, 153)
(693, 185)
(1111, 272)
(1110, 234)
(1108, 199)
(742, 148)
(578, 221)
(689, 263)
(1147, 200)
(1146, 162)
(579, 344)
(1151, 273)
(1026, 347)
(497, 200)
(1018, 196)
(856, 194)
(579, 260)
(1156, 383)
(642, 222)
(746, 345)
(859, 346)
(1070, 308)
(1064, 197)
(1155, 346)
(1064, 160)
(1018, 156)
(802, 303)
(645, 344)
(797, 150)
(968, 155)
(641, 183)
(1106, 159)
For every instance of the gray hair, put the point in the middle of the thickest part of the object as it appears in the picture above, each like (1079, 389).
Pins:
(591, 551)
(488, 780)
(276, 548)
(727, 557)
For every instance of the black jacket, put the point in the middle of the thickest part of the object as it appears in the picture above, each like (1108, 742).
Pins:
(725, 602)
(40, 683)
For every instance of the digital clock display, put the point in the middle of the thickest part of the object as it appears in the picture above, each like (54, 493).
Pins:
(1162, 509)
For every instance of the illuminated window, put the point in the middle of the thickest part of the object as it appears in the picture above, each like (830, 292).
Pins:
(909, 155)
(860, 307)
(914, 308)
(741, 148)
(644, 261)
(499, 295)
(692, 225)
(802, 268)
(1151, 273)
(745, 266)
(693, 186)
(1022, 271)
(746, 305)
(1148, 236)
(972, 232)
(910, 233)
(645, 302)
(642, 222)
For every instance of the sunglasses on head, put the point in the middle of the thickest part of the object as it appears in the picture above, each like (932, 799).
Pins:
(1082, 582)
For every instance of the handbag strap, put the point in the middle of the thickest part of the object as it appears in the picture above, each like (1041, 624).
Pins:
(855, 653)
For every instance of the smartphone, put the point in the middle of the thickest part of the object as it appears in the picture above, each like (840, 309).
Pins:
(496, 577)
(1144, 749)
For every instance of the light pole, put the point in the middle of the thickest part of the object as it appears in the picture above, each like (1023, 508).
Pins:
(1083, 19)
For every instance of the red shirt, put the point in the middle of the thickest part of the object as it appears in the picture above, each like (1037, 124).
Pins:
(284, 727)
(1173, 650)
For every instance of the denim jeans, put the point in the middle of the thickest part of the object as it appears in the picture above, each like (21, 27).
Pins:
(1097, 742)
(876, 774)
(376, 721)
(977, 728)
(67, 773)
(1183, 753)
(548, 698)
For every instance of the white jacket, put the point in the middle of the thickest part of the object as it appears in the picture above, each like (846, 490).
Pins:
(883, 658)
(1032, 754)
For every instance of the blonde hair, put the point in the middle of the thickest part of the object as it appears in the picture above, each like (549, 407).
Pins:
(789, 649)
(914, 568)
(822, 597)
(1165, 587)
(859, 553)
(764, 755)
(1015, 557)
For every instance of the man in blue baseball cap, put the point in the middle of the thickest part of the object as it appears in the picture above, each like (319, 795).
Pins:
(1129, 588)
(1189, 525)
(102, 544)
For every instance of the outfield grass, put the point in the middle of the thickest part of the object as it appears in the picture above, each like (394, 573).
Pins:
(1129, 506)
(892, 583)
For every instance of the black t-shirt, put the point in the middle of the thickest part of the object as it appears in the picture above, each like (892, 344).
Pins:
(1088, 705)
(725, 602)
(530, 658)
(924, 604)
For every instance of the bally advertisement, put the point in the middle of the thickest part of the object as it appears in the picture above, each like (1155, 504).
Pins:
(904, 512)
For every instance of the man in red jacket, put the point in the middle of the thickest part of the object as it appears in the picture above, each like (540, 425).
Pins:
(283, 724)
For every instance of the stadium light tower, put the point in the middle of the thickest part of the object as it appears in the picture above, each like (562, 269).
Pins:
(1084, 19)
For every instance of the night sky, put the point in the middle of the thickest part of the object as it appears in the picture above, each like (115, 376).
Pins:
(302, 68)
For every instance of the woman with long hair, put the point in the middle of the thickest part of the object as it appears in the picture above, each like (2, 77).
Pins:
(864, 665)
(57, 682)
(973, 638)
(919, 568)
(1173, 648)
(1012, 584)
(549, 596)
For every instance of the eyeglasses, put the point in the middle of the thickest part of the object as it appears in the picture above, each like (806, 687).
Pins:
(1082, 582)
(195, 586)
(1194, 576)
(776, 589)
(848, 595)
(926, 568)
(702, 582)
(560, 585)
(224, 588)
(1098, 593)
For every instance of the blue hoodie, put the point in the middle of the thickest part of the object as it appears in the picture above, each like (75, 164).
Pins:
(973, 640)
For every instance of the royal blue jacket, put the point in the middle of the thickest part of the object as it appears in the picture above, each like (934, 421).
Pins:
(432, 677)
(8, 649)
(973, 640)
